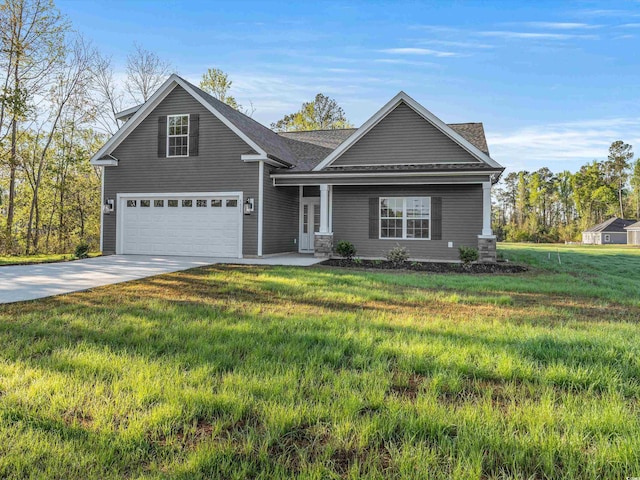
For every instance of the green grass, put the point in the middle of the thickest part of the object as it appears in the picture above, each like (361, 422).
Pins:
(275, 372)
(33, 259)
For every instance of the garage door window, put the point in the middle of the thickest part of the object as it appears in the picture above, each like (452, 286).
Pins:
(216, 203)
(145, 203)
(172, 203)
(232, 203)
(201, 203)
(158, 203)
(187, 203)
(131, 203)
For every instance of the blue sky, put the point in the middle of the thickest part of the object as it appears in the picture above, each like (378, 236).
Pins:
(554, 82)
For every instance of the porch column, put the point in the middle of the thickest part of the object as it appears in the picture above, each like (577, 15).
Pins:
(323, 240)
(487, 241)
(486, 209)
(324, 208)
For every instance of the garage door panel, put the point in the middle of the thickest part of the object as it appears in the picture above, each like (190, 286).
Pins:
(169, 226)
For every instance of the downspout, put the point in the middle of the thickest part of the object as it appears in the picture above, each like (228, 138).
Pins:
(260, 202)
(102, 210)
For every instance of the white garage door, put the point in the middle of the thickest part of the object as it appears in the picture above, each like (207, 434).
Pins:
(182, 224)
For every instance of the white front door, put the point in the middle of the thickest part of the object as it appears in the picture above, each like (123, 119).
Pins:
(310, 223)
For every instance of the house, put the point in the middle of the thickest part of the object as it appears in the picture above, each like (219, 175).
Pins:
(188, 175)
(611, 231)
(633, 233)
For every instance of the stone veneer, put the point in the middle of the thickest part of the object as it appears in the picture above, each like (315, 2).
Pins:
(323, 245)
(487, 249)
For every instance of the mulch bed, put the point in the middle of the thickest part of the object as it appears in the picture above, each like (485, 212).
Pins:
(434, 267)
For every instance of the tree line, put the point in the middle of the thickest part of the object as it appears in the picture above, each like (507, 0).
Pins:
(59, 97)
(543, 206)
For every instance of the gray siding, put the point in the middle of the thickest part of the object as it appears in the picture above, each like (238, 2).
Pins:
(313, 191)
(598, 238)
(461, 219)
(617, 238)
(280, 217)
(404, 137)
(218, 168)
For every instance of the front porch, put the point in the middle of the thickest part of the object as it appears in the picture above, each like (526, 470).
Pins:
(457, 215)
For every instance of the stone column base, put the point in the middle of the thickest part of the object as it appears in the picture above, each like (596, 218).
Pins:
(323, 245)
(487, 249)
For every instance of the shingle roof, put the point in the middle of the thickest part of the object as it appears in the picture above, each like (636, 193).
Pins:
(267, 139)
(427, 167)
(614, 224)
(306, 149)
(313, 146)
(633, 226)
(324, 138)
(473, 133)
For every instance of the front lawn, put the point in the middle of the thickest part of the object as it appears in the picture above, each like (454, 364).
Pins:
(40, 258)
(280, 372)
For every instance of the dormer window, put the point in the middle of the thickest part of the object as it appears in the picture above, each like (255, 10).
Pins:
(177, 135)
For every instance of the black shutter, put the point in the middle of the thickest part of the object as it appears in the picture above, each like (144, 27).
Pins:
(436, 218)
(194, 134)
(162, 136)
(374, 222)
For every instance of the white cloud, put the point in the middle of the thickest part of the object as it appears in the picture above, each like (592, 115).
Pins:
(629, 25)
(561, 146)
(341, 70)
(534, 35)
(435, 28)
(402, 61)
(609, 13)
(450, 43)
(418, 51)
(562, 25)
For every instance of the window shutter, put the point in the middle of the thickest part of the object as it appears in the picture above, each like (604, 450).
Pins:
(194, 134)
(374, 212)
(162, 136)
(436, 218)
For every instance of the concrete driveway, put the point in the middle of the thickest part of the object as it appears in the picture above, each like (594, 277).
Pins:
(29, 282)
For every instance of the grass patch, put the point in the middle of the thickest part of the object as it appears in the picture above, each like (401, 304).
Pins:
(36, 259)
(281, 372)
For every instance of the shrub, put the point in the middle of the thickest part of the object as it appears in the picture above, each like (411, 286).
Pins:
(346, 249)
(468, 254)
(82, 250)
(398, 255)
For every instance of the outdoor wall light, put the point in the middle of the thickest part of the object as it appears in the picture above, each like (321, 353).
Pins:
(108, 206)
(248, 206)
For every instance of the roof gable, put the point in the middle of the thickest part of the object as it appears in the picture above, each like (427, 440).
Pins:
(313, 146)
(264, 143)
(388, 122)
(612, 225)
(633, 226)
(403, 137)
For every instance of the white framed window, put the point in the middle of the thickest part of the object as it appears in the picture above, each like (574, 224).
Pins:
(405, 218)
(177, 135)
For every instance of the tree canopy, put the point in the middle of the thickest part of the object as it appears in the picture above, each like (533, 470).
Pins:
(217, 84)
(545, 206)
(323, 113)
